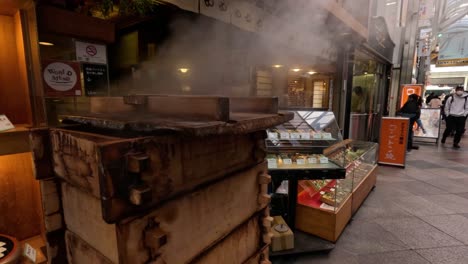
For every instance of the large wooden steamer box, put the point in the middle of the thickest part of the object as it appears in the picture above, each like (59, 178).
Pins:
(167, 186)
(161, 166)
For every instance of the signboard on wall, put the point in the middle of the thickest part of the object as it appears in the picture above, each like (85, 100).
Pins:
(95, 79)
(453, 49)
(407, 90)
(393, 141)
(61, 78)
(90, 52)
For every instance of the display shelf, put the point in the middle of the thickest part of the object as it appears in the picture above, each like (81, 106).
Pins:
(15, 140)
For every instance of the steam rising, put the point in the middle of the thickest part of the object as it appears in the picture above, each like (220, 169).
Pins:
(219, 58)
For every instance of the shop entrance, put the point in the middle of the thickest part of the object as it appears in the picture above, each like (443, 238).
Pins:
(370, 88)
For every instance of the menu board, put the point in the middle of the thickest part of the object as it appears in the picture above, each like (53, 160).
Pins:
(95, 79)
(393, 141)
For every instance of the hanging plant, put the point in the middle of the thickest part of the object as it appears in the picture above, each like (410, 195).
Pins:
(111, 8)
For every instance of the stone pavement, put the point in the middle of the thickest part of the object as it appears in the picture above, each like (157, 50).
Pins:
(416, 215)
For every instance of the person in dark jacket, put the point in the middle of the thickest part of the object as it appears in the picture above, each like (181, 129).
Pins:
(411, 110)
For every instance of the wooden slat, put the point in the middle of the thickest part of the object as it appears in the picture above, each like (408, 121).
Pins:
(83, 217)
(164, 106)
(266, 105)
(230, 251)
(80, 252)
(15, 141)
(204, 108)
(19, 197)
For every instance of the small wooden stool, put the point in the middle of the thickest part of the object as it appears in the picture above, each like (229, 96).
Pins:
(10, 250)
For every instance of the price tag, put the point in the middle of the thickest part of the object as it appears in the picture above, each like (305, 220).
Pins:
(29, 252)
(312, 160)
(295, 135)
(284, 135)
(5, 124)
(272, 135)
(287, 161)
(327, 135)
(323, 160)
(272, 163)
(317, 136)
(305, 135)
(301, 161)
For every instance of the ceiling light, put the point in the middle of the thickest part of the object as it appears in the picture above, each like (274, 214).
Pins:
(296, 70)
(43, 43)
(311, 72)
(277, 66)
(183, 70)
(391, 3)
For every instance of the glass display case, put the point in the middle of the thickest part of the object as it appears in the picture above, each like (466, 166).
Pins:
(318, 180)
(311, 130)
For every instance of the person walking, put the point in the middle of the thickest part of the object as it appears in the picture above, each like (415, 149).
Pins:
(435, 102)
(456, 107)
(418, 121)
(430, 97)
(411, 110)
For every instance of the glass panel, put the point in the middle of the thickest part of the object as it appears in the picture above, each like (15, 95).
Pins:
(308, 129)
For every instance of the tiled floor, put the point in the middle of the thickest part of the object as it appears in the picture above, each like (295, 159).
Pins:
(416, 215)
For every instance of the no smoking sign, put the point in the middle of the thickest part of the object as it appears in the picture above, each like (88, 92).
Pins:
(91, 50)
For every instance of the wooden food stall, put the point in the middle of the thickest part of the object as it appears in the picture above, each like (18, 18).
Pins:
(160, 179)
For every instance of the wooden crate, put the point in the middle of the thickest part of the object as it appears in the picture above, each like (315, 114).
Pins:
(323, 223)
(362, 190)
(108, 167)
(142, 183)
(175, 232)
(227, 251)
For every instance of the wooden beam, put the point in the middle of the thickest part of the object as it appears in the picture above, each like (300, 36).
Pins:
(59, 21)
(339, 12)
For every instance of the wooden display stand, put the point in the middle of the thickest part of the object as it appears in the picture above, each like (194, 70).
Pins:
(328, 224)
(324, 223)
(362, 190)
(159, 185)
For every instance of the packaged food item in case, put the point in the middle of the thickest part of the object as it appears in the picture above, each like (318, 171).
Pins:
(301, 159)
(305, 134)
(286, 159)
(294, 135)
(273, 134)
(328, 198)
(317, 135)
(284, 134)
(272, 161)
(312, 159)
